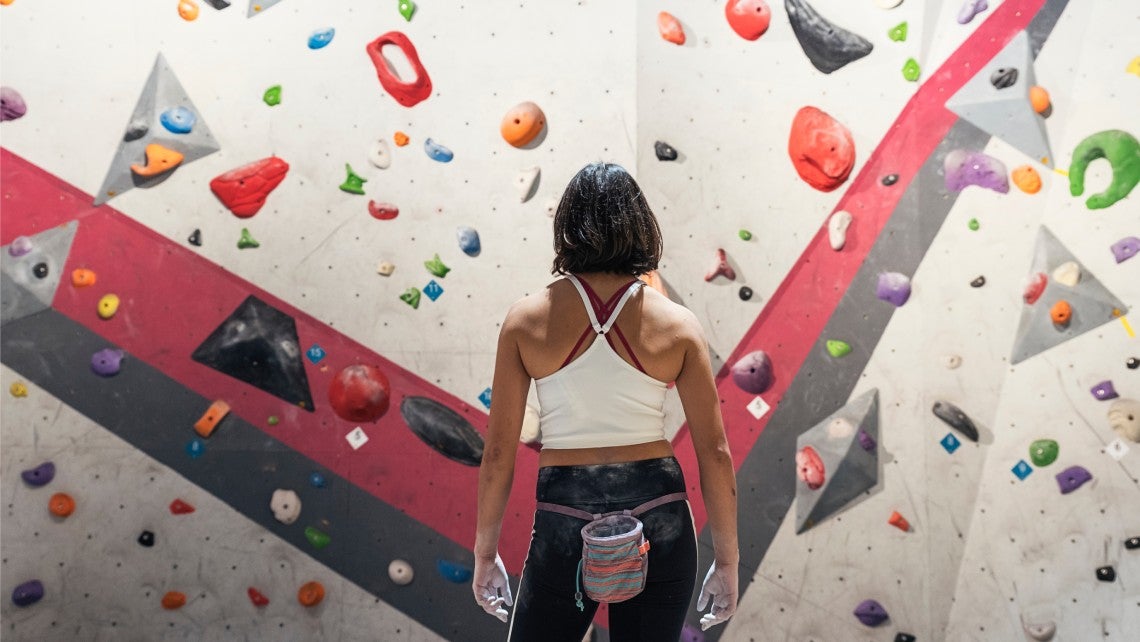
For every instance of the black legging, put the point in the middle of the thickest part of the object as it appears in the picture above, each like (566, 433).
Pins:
(544, 607)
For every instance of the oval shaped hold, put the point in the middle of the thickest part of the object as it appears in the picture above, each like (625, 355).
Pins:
(317, 538)
(406, 93)
(468, 240)
(188, 10)
(454, 571)
(1043, 452)
(443, 429)
(173, 600)
(286, 505)
(40, 270)
(321, 38)
(962, 169)
(978, 282)
(82, 277)
(383, 211)
(20, 246)
(1073, 478)
(1106, 574)
(438, 152)
(1061, 313)
(752, 373)
(748, 18)
(809, 468)
(1039, 99)
(12, 105)
(243, 190)
(360, 393)
(311, 594)
(379, 154)
(664, 151)
(670, 28)
(745, 293)
(1040, 631)
(1004, 77)
(28, 593)
(40, 475)
(400, 572)
(821, 148)
(1034, 287)
(317, 480)
(107, 362)
(18, 389)
(61, 505)
(871, 613)
(146, 538)
(837, 229)
(522, 124)
(1026, 179)
(178, 120)
(956, 419)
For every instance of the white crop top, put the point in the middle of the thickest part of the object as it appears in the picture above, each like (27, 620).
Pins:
(599, 399)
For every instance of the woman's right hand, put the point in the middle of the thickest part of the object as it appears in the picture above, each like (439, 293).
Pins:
(720, 585)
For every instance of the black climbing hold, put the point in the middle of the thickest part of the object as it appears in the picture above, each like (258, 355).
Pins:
(1004, 77)
(957, 419)
(664, 151)
(196, 238)
(40, 270)
(146, 539)
(904, 637)
(218, 4)
(827, 45)
(1132, 363)
(978, 282)
(258, 344)
(745, 293)
(1132, 543)
(443, 429)
(890, 179)
(1106, 574)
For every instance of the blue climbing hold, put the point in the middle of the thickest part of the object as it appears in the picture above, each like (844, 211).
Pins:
(178, 120)
(454, 571)
(321, 38)
(196, 448)
(950, 443)
(469, 241)
(1022, 470)
(485, 397)
(315, 353)
(438, 152)
(317, 480)
(433, 290)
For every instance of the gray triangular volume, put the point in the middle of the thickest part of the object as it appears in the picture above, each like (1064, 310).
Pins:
(30, 280)
(258, 6)
(1092, 304)
(850, 460)
(1006, 113)
(162, 92)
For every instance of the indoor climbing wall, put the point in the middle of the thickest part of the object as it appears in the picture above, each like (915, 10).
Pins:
(255, 256)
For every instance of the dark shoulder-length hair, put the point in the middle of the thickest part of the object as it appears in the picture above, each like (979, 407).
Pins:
(604, 224)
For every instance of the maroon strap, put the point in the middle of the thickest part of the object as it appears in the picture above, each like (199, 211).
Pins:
(603, 310)
(589, 517)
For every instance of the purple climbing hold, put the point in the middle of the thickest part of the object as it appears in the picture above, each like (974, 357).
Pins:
(963, 168)
(893, 288)
(40, 475)
(1073, 478)
(753, 372)
(866, 441)
(971, 8)
(21, 245)
(690, 633)
(12, 105)
(1123, 249)
(871, 613)
(107, 362)
(1104, 390)
(28, 593)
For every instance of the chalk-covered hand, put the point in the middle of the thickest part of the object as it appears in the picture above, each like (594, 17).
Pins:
(720, 585)
(492, 587)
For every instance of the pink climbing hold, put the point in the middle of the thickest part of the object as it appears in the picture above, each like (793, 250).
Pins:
(720, 267)
(809, 467)
(748, 18)
(244, 190)
(1034, 287)
(821, 148)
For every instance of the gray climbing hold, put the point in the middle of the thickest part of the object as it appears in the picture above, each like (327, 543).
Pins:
(1004, 77)
(468, 240)
(871, 613)
(443, 429)
(664, 151)
(956, 419)
(827, 46)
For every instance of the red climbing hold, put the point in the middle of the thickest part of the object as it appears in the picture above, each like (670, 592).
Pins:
(360, 393)
(256, 597)
(244, 190)
(898, 521)
(821, 148)
(720, 267)
(809, 467)
(383, 211)
(1034, 287)
(405, 93)
(748, 18)
(179, 507)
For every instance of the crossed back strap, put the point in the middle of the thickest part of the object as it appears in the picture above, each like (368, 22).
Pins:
(634, 512)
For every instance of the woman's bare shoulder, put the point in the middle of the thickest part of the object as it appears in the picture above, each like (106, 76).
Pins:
(530, 311)
(671, 317)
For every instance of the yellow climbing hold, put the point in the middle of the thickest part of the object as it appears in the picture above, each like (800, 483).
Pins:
(108, 306)
(1133, 67)
(18, 389)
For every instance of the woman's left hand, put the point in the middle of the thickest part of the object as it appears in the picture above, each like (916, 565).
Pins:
(492, 586)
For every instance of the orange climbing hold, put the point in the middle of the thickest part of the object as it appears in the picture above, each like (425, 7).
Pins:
(1027, 179)
(401, 139)
(898, 521)
(82, 277)
(211, 418)
(1039, 98)
(311, 593)
(1061, 313)
(173, 600)
(670, 28)
(61, 505)
(522, 124)
(6, 2)
(159, 159)
(188, 9)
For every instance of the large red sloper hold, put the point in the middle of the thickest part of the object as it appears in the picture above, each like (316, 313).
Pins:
(748, 18)
(405, 93)
(244, 190)
(821, 149)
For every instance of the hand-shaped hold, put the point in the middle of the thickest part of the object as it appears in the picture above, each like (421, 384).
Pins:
(492, 587)
(720, 585)
(1122, 151)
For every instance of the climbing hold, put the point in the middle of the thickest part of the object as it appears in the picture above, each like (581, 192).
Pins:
(1022, 469)
(317, 480)
(1125, 248)
(159, 159)
(837, 229)
(383, 211)
(827, 45)
(146, 538)
(522, 124)
(454, 571)
(809, 467)
(973, 224)
(1106, 574)
(188, 10)
(411, 296)
(247, 241)
(436, 267)
(904, 637)
(978, 282)
(1004, 77)
(468, 240)
(107, 362)
(12, 105)
(360, 393)
(971, 8)
(744, 235)
(950, 443)
(256, 597)
(1039, 99)
(963, 168)
(195, 238)
(752, 373)
(1034, 287)
(179, 507)
(40, 270)
(1027, 179)
(321, 38)
(897, 33)
(1132, 543)
(353, 183)
(286, 505)
(1124, 418)
(135, 130)
(433, 290)
(443, 429)
(272, 96)
(407, 9)
(178, 120)
(485, 397)
(20, 246)
(899, 522)
(840, 428)
(173, 600)
(664, 151)
(894, 288)
(1061, 313)
(526, 182)
(18, 389)
(209, 421)
(956, 419)
(871, 613)
(107, 307)
(315, 353)
(911, 70)
(748, 18)
(837, 348)
(890, 179)
(61, 505)
(720, 267)
(1040, 631)
(385, 268)
(1104, 391)
(40, 475)
(195, 448)
(28, 593)
(400, 572)
(82, 277)
(218, 4)
(1068, 274)
(745, 293)
(405, 93)
(379, 154)
(244, 190)
(821, 148)
(317, 538)
(1132, 363)
(866, 441)
(1043, 452)
(437, 152)
(670, 28)
(311, 594)
(1073, 478)
(400, 138)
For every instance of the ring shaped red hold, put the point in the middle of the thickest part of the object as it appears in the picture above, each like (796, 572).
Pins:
(748, 18)
(244, 190)
(405, 93)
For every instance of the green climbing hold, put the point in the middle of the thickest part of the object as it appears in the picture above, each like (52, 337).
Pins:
(353, 183)
(273, 420)
(911, 71)
(837, 348)
(407, 8)
(436, 267)
(247, 241)
(1122, 151)
(1043, 452)
(318, 539)
(974, 224)
(898, 32)
(411, 296)
(272, 96)
(745, 235)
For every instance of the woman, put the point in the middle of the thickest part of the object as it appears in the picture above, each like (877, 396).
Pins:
(602, 426)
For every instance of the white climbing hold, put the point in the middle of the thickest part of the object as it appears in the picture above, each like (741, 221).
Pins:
(526, 182)
(400, 572)
(1124, 418)
(951, 361)
(551, 207)
(1068, 273)
(286, 506)
(1040, 631)
(386, 268)
(840, 428)
(530, 434)
(380, 155)
(837, 229)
